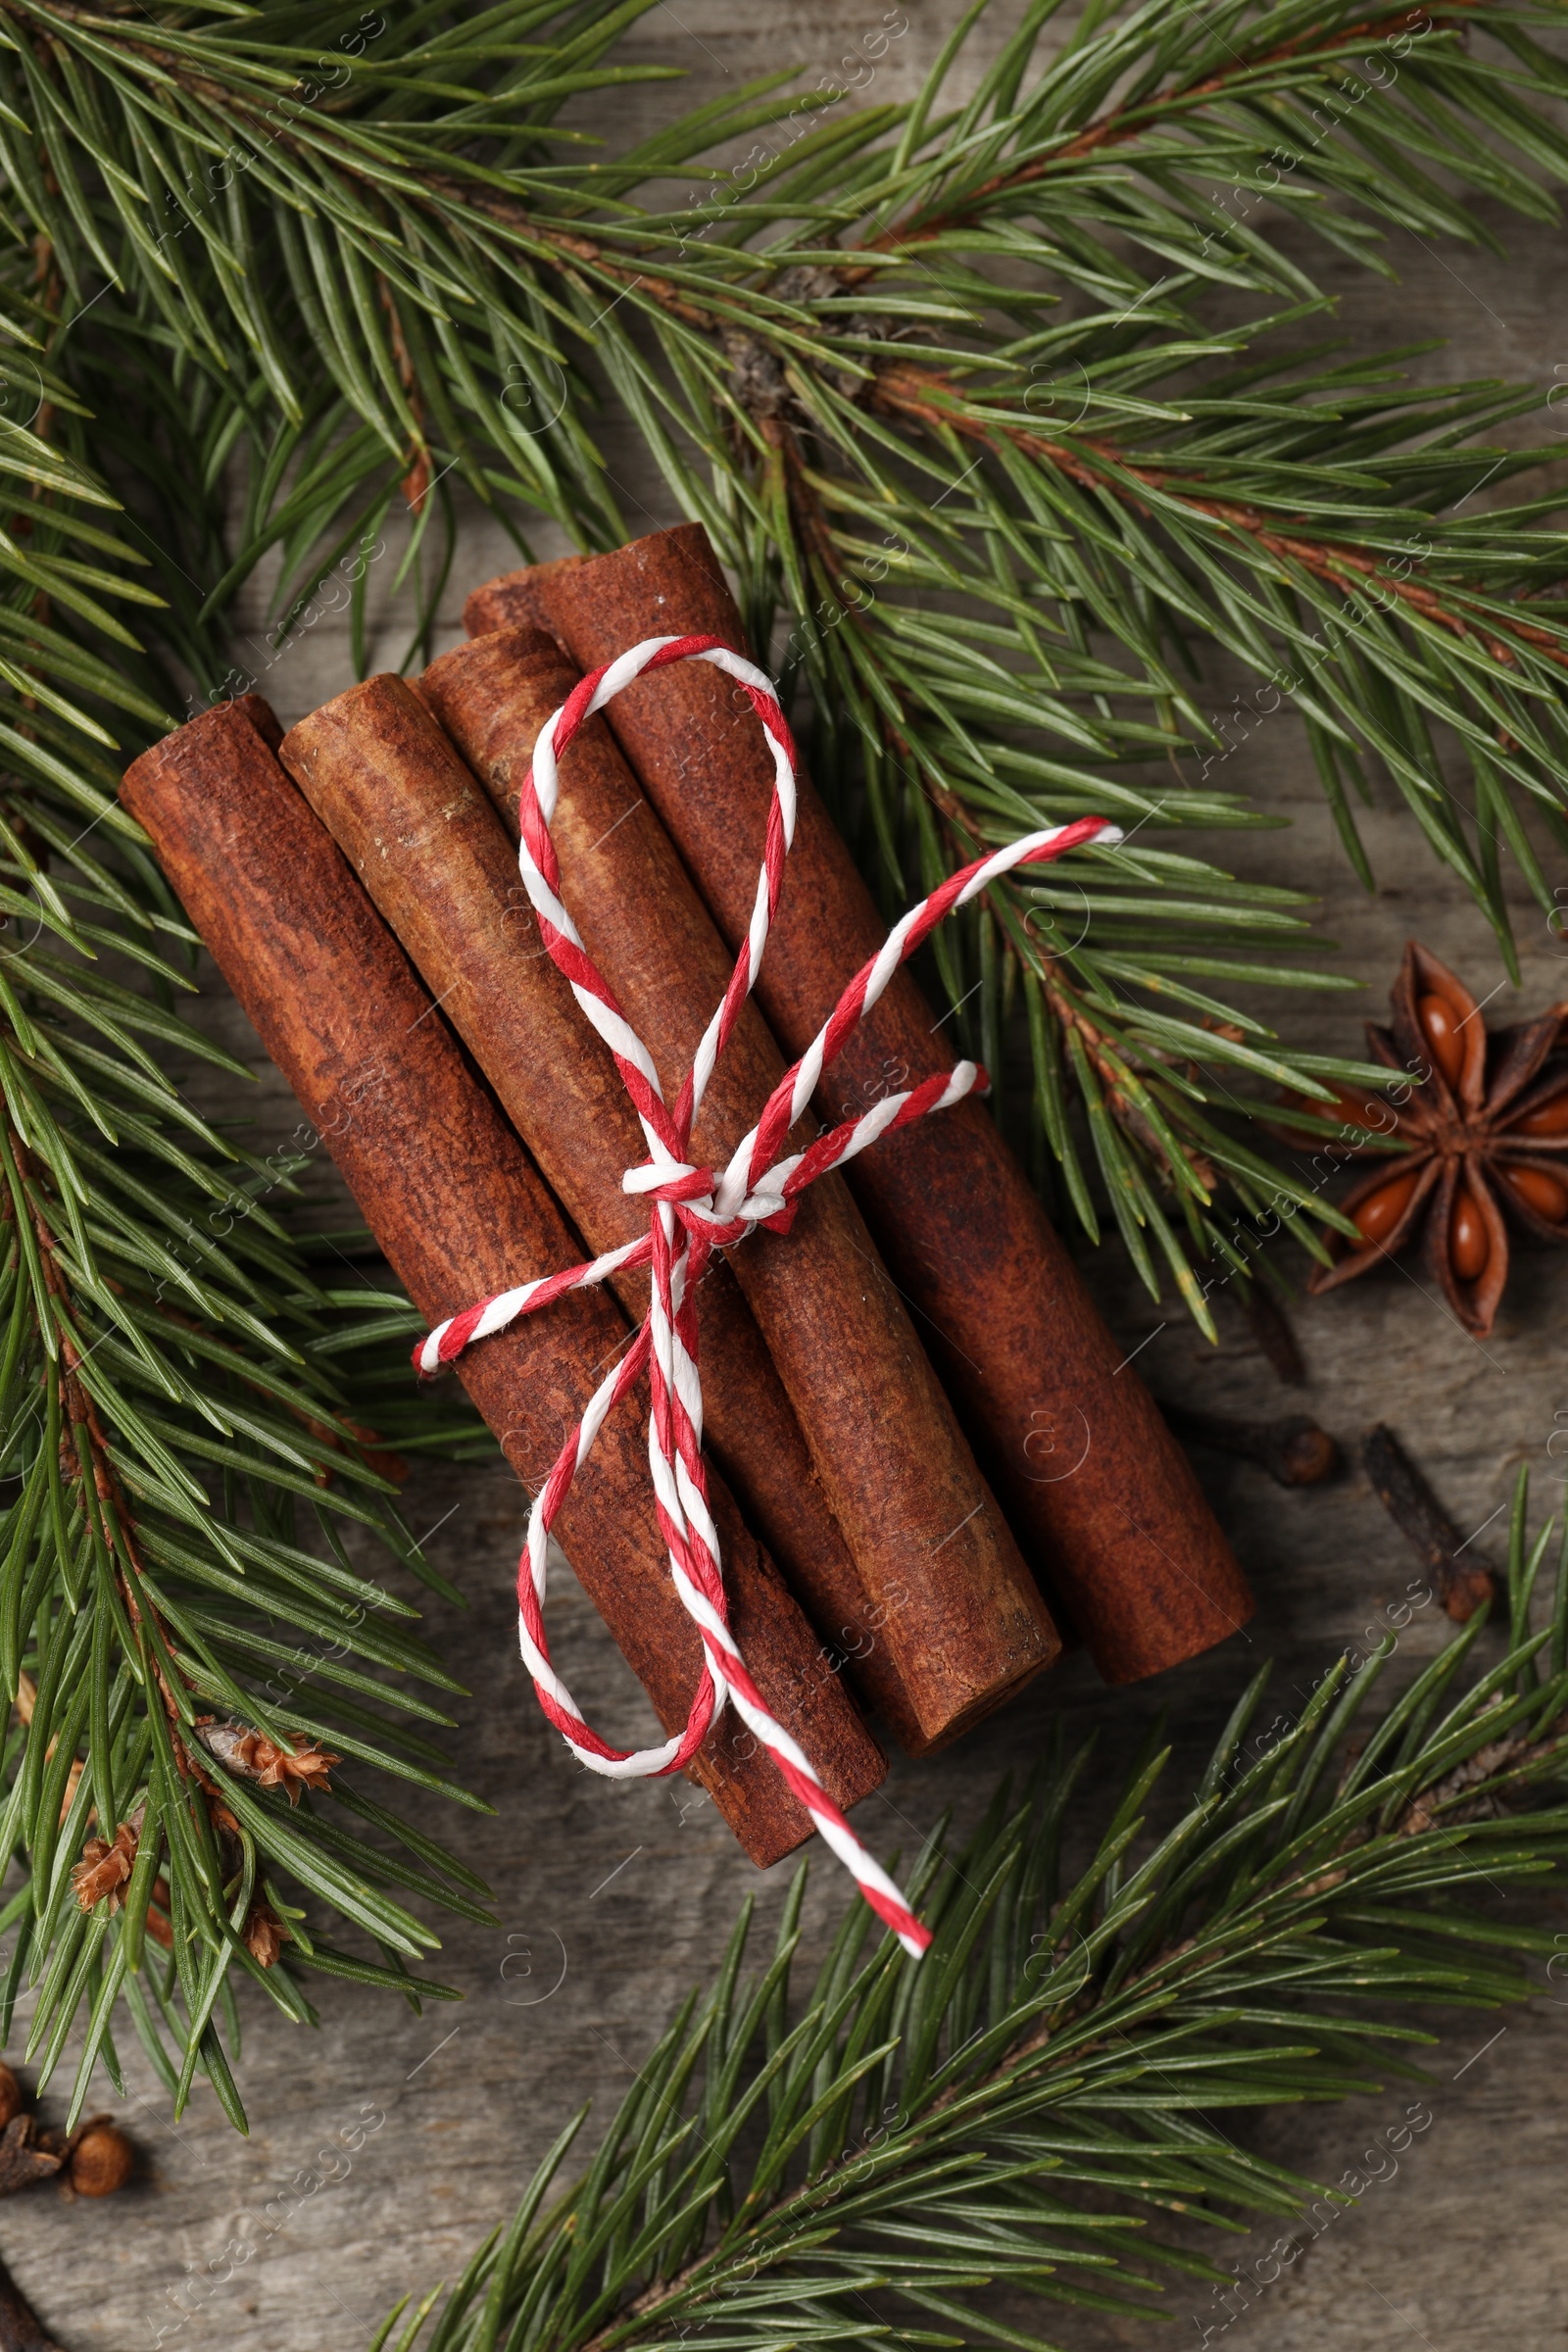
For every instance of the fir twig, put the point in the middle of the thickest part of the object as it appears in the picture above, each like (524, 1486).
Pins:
(939, 380)
(178, 1611)
(860, 2162)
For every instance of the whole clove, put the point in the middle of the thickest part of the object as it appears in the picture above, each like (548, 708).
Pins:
(1295, 1450)
(100, 2159)
(1463, 1585)
(26, 2156)
(1271, 1328)
(93, 2161)
(20, 2328)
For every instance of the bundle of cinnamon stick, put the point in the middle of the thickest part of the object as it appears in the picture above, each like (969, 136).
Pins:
(928, 1449)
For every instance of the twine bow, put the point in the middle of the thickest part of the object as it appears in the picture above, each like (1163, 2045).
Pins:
(691, 1212)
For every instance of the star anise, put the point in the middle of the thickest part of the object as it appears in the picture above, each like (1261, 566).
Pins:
(1482, 1129)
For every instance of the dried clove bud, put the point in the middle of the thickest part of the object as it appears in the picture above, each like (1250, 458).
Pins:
(21, 2330)
(1295, 1451)
(26, 2157)
(93, 2162)
(1271, 1328)
(1405, 1494)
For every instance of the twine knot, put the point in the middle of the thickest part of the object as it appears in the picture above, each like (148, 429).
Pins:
(693, 1211)
(671, 1181)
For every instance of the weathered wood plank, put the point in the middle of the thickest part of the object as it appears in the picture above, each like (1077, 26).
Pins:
(613, 1899)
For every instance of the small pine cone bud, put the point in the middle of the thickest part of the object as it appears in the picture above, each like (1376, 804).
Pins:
(10, 2096)
(101, 2161)
(159, 1927)
(252, 1756)
(265, 1934)
(104, 1868)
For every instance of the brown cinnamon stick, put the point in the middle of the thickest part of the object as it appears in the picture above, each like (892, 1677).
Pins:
(460, 1211)
(940, 1609)
(433, 856)
(938, 1603)
(1102, 1495)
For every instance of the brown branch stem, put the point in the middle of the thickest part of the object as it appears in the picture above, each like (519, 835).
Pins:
(924, 396)
(901, 388)
(1456, 1798)
(117, 1519)
(1122, 124)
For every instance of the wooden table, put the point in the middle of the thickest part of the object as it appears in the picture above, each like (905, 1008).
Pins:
(612, 1901)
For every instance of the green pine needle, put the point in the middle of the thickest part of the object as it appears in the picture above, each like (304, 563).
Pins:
(858, 2159)
(941, 383)
(944, 381)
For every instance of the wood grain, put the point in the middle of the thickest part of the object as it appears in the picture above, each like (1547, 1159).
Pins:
(628, 1892)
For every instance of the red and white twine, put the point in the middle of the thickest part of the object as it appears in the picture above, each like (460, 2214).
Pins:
(692, 1212)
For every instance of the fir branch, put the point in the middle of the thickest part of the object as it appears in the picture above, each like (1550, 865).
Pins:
(861, 2162)
(938, 379)
(337, 274)
(162, 1424)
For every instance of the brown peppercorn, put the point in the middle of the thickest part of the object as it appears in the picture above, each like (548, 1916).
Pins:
(10, 2096)
(101, 2161)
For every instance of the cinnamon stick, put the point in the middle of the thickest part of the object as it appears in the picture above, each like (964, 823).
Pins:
(940, 1610)
(433, 856)
(1102, 1495)
(937, 1603)
(460, 1211)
